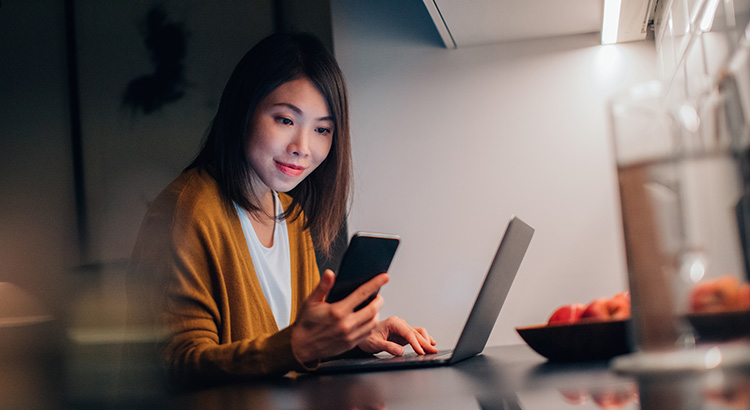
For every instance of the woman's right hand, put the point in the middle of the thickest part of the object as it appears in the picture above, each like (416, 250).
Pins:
(325, 329)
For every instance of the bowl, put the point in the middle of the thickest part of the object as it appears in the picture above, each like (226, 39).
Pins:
(720, 326)
(582, 341)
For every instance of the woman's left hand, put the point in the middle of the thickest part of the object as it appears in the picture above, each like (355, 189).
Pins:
(392, 334)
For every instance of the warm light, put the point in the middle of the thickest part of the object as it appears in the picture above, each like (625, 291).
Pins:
(697, 270)
(607, 68)
(611, 21)
(713, 358)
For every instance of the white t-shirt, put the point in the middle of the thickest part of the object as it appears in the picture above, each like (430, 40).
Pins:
(272, 265)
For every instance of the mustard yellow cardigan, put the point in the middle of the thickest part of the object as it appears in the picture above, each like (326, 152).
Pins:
(193, 253)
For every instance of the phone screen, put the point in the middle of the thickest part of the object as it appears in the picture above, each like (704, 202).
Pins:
(368, 255)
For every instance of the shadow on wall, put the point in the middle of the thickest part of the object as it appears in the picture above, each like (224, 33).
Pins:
(166, 42)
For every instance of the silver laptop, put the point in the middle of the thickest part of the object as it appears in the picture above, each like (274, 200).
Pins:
(481, 319)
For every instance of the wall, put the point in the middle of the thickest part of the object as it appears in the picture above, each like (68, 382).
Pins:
(37, 211)
(448, 144)
(131, 154)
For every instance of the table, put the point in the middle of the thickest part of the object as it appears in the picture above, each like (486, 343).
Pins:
(503, 377)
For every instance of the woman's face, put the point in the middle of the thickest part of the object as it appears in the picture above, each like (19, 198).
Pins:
(290, 134)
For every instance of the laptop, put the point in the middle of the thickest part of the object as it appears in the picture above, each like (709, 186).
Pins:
(481, 319)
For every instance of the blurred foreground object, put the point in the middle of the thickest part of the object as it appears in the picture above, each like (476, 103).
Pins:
(29, 352)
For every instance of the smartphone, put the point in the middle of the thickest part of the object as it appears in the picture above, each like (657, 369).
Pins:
(368, 255)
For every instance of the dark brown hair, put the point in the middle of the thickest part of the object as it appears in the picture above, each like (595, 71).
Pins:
(324, 195)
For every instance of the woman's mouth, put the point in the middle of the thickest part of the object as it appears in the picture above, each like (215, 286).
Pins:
(290, 169)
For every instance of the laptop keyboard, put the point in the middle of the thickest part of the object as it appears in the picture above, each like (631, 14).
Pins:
(412, 356)
(383, 360)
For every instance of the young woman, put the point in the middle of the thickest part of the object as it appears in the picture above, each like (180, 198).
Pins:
(230, 241)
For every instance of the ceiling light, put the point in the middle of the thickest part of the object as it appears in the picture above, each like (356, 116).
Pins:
(611, 21)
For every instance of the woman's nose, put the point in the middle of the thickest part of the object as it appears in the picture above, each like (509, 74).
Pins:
(300, 144)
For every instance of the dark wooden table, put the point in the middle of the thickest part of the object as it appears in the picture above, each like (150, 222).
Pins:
(503, 377)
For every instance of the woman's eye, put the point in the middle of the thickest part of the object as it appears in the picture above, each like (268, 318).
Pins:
(323, 130)
(284, 120)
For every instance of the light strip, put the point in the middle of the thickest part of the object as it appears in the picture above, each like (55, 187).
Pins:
(611, 21)
(708, 15)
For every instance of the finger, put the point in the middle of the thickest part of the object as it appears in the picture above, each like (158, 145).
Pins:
(414, 340)
(428, 344)
(320, 292)
(389, 347)
(363, 292)
(361, 331)
(365, 320)
(422, 331)
(369, 312)
(405, 332)
(418, 338)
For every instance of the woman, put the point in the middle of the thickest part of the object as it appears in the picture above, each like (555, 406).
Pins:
(238, 286)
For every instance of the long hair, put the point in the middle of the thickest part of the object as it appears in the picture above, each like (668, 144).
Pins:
(324, 195)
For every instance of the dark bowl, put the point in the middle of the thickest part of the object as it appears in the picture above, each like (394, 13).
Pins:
(721, 326)
(583, 341)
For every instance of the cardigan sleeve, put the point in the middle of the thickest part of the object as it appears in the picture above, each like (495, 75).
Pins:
(217, 324)
(200, 284)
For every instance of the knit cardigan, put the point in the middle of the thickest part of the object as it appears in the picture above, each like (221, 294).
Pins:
(206, 294)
